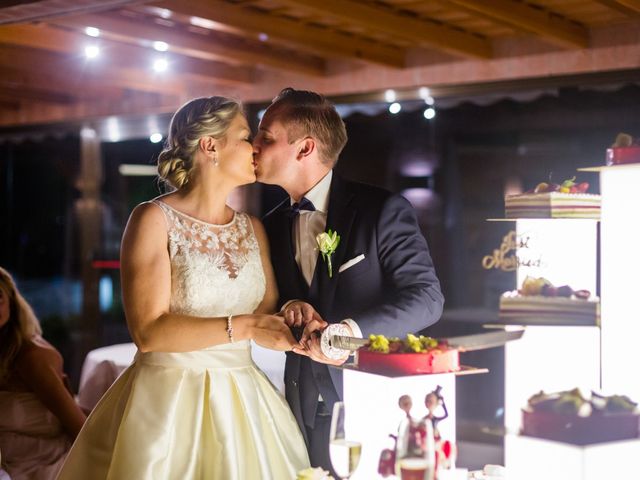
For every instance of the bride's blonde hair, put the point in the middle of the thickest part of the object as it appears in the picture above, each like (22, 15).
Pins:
(200, 117)
(22, 324)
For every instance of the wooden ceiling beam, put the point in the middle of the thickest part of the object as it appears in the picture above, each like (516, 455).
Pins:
(127, 56)
(49, 67)
(40, 10)
(33, 95)
(57, 85)
(547, 25)
(420, 32)
(322, 41)
(632, 4)
(193, 45)
(614, 5)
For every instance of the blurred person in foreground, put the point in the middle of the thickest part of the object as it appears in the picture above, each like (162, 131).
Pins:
(39, 417)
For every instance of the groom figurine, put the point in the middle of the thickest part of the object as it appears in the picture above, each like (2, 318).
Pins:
(379, 279)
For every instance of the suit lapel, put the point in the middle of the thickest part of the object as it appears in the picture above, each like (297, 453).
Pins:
(340, 219)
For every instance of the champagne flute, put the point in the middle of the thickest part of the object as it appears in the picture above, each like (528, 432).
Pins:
(345, 454)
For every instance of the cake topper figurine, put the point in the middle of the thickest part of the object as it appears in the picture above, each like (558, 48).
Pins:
(432, 401)
(405, 403)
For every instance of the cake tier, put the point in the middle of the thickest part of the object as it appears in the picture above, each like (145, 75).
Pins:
(622, 155)
(434, 361)
(596, 428)
(514, 306)
(553, 205)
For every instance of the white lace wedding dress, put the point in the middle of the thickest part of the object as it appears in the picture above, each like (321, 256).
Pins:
(208, 414)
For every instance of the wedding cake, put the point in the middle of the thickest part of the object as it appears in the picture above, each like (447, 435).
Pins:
(412, 356)
(550, 200)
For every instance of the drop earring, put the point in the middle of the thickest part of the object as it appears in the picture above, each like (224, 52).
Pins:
(215, 158)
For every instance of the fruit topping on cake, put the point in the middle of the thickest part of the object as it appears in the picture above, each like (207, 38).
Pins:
(412, 344)
(543, 287)
(568, 186)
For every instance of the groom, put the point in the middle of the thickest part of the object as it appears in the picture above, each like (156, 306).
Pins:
(382, 279)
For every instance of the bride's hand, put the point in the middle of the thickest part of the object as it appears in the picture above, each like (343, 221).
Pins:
(271, 331)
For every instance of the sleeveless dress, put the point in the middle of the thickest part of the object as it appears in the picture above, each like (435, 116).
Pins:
(208, 414)
(33, 444)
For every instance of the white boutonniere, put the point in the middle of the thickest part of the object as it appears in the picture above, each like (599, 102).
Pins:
(327, 244)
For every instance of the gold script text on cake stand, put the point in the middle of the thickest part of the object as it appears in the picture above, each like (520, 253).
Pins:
(505, 258)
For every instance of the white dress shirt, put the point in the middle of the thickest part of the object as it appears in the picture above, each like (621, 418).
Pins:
(306, 227)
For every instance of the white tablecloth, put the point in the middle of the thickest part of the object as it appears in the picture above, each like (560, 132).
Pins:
(103, 365)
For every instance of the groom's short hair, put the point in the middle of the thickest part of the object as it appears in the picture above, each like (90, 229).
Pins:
(304, 113)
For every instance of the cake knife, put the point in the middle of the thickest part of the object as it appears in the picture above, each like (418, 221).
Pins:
(465, 343)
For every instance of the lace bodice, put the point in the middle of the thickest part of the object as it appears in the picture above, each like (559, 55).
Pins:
(216, 270)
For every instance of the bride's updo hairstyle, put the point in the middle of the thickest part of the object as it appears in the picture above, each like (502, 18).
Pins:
(200, 117)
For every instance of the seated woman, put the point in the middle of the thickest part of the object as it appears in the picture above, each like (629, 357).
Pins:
(40, 418)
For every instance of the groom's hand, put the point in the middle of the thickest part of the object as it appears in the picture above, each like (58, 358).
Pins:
(313, 350)
(299, 314)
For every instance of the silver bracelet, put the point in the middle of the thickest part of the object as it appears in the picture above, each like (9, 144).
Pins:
(229, 329)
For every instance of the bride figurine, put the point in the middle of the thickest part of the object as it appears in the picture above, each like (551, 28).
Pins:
(197, 287)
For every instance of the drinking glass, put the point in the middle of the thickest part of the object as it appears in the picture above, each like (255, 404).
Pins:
(415, 450)
(345, 454)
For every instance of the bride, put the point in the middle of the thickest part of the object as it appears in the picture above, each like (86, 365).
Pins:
(197, 287)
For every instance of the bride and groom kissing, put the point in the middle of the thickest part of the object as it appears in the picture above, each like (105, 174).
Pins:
(200, 281)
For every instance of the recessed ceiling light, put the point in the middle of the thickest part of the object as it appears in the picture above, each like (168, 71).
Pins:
(390, 95)
(91, 51)
(429, 113)
(161, 46)
(155, 137)
(160, 64)
(92, 31)
(395, 107)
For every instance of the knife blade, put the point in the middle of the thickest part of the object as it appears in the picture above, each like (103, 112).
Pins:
(482, 341)
(465, 343)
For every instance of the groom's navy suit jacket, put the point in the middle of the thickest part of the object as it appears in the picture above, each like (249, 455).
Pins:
(393, 291)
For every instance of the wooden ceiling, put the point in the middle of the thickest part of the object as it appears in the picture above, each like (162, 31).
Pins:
(252, 48)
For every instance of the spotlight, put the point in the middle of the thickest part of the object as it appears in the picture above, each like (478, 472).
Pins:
(155, 137)
(424, 93)
(161, 46)
(263, 37)
(92, 31)
(429, 113)
(395, 107)
(91, 51)
(429, 100)
(390, 95)
(160, 64)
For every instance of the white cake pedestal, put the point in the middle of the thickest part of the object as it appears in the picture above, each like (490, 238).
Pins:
(372, 412)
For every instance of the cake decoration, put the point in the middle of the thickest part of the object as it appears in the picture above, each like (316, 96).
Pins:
(571, 417)
(412, 356)
(551, 200)
(538, 298)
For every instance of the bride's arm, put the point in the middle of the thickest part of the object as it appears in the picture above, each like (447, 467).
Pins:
(268, 304)
(146, 293)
